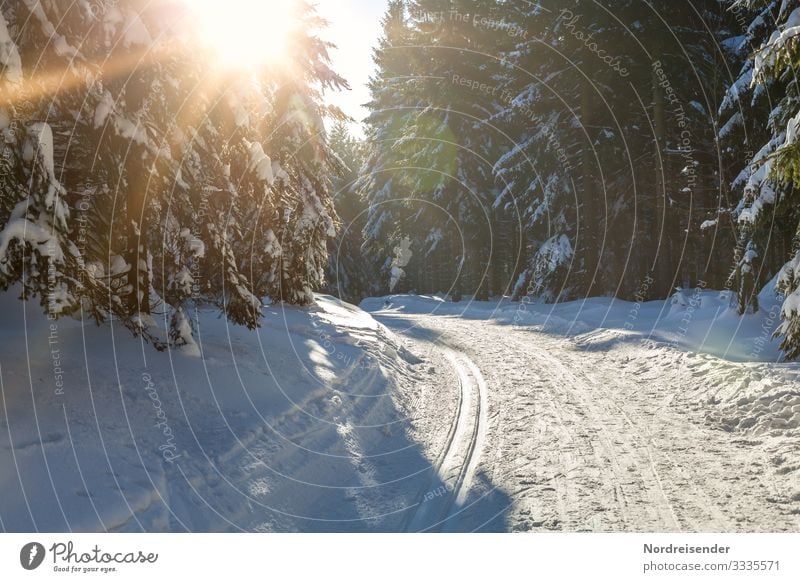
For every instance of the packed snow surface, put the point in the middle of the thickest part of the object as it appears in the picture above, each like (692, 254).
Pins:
(606, 415)
(407, 414)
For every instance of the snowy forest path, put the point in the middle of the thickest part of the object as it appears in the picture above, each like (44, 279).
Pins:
(578, 442)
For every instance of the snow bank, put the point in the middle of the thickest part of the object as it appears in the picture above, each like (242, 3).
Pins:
(700, 320)
(281, 429)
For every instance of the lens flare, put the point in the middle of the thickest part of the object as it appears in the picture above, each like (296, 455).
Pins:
(245, 34)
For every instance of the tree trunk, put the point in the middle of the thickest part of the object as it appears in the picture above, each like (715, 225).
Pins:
(587, 219)
(137, 251)
(137, 179)
(663, 282)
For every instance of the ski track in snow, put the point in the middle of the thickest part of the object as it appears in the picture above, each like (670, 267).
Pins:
(457, 463)
(583, 440)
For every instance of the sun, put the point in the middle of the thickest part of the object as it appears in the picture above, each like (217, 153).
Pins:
(245, 34)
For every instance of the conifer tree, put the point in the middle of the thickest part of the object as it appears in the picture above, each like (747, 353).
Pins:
(351, 275)
(393, 102)
(766, 94)
(145, 182)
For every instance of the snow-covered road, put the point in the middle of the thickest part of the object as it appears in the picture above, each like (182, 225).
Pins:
(585, 433)
(458, 417)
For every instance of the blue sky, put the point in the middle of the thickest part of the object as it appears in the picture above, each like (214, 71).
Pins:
(355, 28)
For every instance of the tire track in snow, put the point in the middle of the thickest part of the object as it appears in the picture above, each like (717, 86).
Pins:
(581, 412)
(467, 369)
(414, 520)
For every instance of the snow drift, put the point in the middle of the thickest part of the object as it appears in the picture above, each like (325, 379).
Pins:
(285, 428)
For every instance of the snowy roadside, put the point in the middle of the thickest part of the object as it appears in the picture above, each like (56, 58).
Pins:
(300, 425)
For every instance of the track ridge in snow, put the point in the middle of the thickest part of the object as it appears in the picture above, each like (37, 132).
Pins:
(457, 463)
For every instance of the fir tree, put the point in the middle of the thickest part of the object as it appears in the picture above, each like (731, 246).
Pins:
(393, 102)
(351, 276)
(767, 183)
(142, 183)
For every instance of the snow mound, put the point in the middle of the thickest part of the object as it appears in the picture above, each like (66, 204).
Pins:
(699, 320)
(770, 409)
(286, 428)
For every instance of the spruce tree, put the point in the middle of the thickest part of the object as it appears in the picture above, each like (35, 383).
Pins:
(767, 183)
(351, 275)
(393, 101)
(160, 182)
